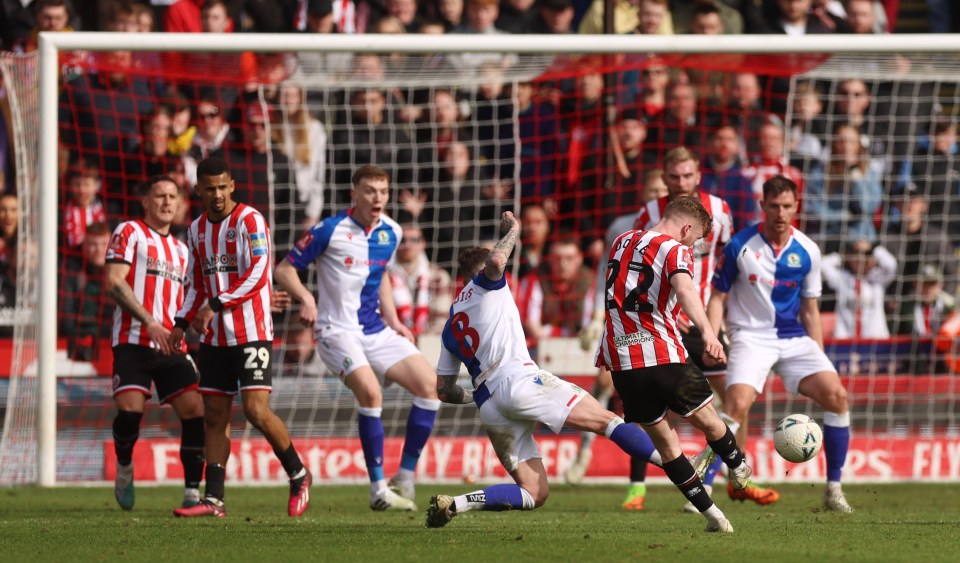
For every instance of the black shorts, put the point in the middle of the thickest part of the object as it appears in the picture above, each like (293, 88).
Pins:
(648, 393)
(226, 369)
(693, 342)
(135, 367)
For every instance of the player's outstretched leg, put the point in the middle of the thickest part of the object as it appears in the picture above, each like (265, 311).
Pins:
(420, 421)
(836, 441)
(126, 431)
(682, 474)
(495, 498)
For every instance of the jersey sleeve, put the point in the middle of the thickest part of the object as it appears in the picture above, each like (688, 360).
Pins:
(312, 244)
(257, 249)
(123, 245)
(448, 364)
(812, 283)
(193, 281)
(726, 272)
(726, 227)
(679, 261)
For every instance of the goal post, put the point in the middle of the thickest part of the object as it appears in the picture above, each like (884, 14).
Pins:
(51, 45)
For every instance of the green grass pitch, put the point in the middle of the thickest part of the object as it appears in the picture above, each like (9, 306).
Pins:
(898, 522)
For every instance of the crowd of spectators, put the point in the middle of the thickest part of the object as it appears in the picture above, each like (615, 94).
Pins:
(877, 159)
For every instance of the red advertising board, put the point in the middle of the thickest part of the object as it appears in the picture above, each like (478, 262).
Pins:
(336, 460)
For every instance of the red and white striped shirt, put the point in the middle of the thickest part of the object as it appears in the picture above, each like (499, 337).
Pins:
(706, 251)
(232, 259)
(158, 266)
(76, 219)
(641, 307)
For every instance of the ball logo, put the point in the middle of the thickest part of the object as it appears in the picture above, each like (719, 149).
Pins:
(231, 235)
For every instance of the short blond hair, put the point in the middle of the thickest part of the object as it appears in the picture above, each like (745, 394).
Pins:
(678, 155)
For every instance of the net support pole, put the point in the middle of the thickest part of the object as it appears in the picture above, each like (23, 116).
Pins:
(47, 268)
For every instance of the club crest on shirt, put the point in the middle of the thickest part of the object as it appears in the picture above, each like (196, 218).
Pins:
(793, 260)
(231, 235)
(383, 237)
(348, 262)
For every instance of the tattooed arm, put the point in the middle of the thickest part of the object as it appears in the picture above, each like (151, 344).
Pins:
(122, 293)
(497, 260)
(449, 392)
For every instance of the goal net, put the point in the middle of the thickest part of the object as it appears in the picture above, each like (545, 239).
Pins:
(567, 141)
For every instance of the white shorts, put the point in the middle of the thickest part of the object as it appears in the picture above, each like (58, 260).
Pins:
(343, 352)
(518, 404)
(752, 356)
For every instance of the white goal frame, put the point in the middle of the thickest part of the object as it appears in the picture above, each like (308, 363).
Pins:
(50, 45)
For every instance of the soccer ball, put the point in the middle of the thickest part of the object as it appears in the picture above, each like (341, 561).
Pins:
(798, 438)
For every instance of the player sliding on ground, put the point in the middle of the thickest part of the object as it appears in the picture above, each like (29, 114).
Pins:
(359, 335)
(648, 273)
(512, 394)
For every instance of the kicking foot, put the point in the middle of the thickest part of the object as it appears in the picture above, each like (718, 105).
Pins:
(441, 511)
(751, 491)
(635, 496)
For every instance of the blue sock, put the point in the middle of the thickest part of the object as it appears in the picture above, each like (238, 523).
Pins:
(836, 441)
(630, 439)
(371, 439)
(419, 425)
(712, 471)
(503, 497)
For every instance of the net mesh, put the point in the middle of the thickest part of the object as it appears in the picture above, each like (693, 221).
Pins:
(569, 142)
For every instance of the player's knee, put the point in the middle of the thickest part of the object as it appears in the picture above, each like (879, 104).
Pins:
(257, 413)
(836, 400)
(540, 494)
(736, 407)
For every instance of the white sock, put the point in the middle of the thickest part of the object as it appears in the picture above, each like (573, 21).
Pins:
(377, 486)
(191, 494)
(464, 504)
(405, 475)
(713, 513)
(124, 474)
(834, 487)
(656, 459)
(528, 503)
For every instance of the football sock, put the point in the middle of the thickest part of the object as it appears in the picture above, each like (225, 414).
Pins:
(191, 451)
(126, 430)
(726, 449)
(685, 478)
(632, 440)
(712, 471)
(423, 413)
(638, 470)
(732, 424)
(836, 441)
(371, 440)
(290, 461)
(495, 498)
(216, 475)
